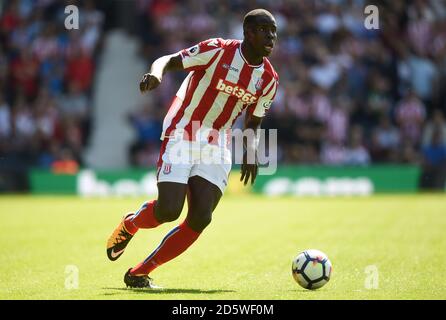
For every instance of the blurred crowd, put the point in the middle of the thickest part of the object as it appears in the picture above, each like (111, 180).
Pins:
(46, 79)
(348, 95)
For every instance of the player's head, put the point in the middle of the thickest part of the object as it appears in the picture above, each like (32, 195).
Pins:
(259, 29)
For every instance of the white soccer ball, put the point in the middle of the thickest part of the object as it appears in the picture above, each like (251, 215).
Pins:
(311, 269)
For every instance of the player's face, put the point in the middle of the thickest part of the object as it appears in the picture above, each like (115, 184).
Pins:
(263, 36)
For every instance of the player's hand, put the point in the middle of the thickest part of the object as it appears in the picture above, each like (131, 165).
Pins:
(149, 82)
(249, 170)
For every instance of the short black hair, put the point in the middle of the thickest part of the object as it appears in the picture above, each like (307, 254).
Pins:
(251, 17)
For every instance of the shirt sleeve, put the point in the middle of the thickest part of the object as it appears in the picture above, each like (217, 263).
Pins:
(201, 56)
(260, 108)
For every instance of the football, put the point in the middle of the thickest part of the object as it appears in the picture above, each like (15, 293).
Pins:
(311, 269)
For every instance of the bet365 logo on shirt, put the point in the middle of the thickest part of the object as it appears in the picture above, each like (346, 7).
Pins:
(240, 93)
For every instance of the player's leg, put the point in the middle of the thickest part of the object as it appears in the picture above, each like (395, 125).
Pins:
(206, 186)
(203, 197)
(172, 186)
(167, 207)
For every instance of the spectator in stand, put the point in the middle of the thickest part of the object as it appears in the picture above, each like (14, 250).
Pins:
(10, 20)
(434, 162)
(436, 123)
(310, 131)
(23, 122)
(408, 154)
(379, 101)
(338, 122)
(74, 104)
(423, 73)
(92, 21)
(385, 141)
(5, 119)
(333, 152)
(410, 115)
(356, 154)
(24, 73)
(46, 115)
(80, 69)
(147, 124)
(46, 44)
(52, 74)
(65, 162)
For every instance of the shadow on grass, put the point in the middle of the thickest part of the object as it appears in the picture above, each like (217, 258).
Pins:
(162, 291)
(307, 290)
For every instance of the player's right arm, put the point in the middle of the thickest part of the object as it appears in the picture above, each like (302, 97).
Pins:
(198, 57)
(160, 66)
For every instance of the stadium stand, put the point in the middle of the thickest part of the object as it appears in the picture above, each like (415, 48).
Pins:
(348, 95)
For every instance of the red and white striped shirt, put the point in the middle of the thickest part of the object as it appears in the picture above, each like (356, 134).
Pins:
(220, 85)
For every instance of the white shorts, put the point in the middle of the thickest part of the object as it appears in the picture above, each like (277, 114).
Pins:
(180, 160)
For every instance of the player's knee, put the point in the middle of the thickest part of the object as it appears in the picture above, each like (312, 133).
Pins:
(168, 212)
(200, 220)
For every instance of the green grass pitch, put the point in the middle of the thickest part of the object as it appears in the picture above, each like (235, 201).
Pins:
(244, 254)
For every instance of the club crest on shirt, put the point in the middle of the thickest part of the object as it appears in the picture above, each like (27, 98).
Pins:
(259, 84)
(167, 168)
